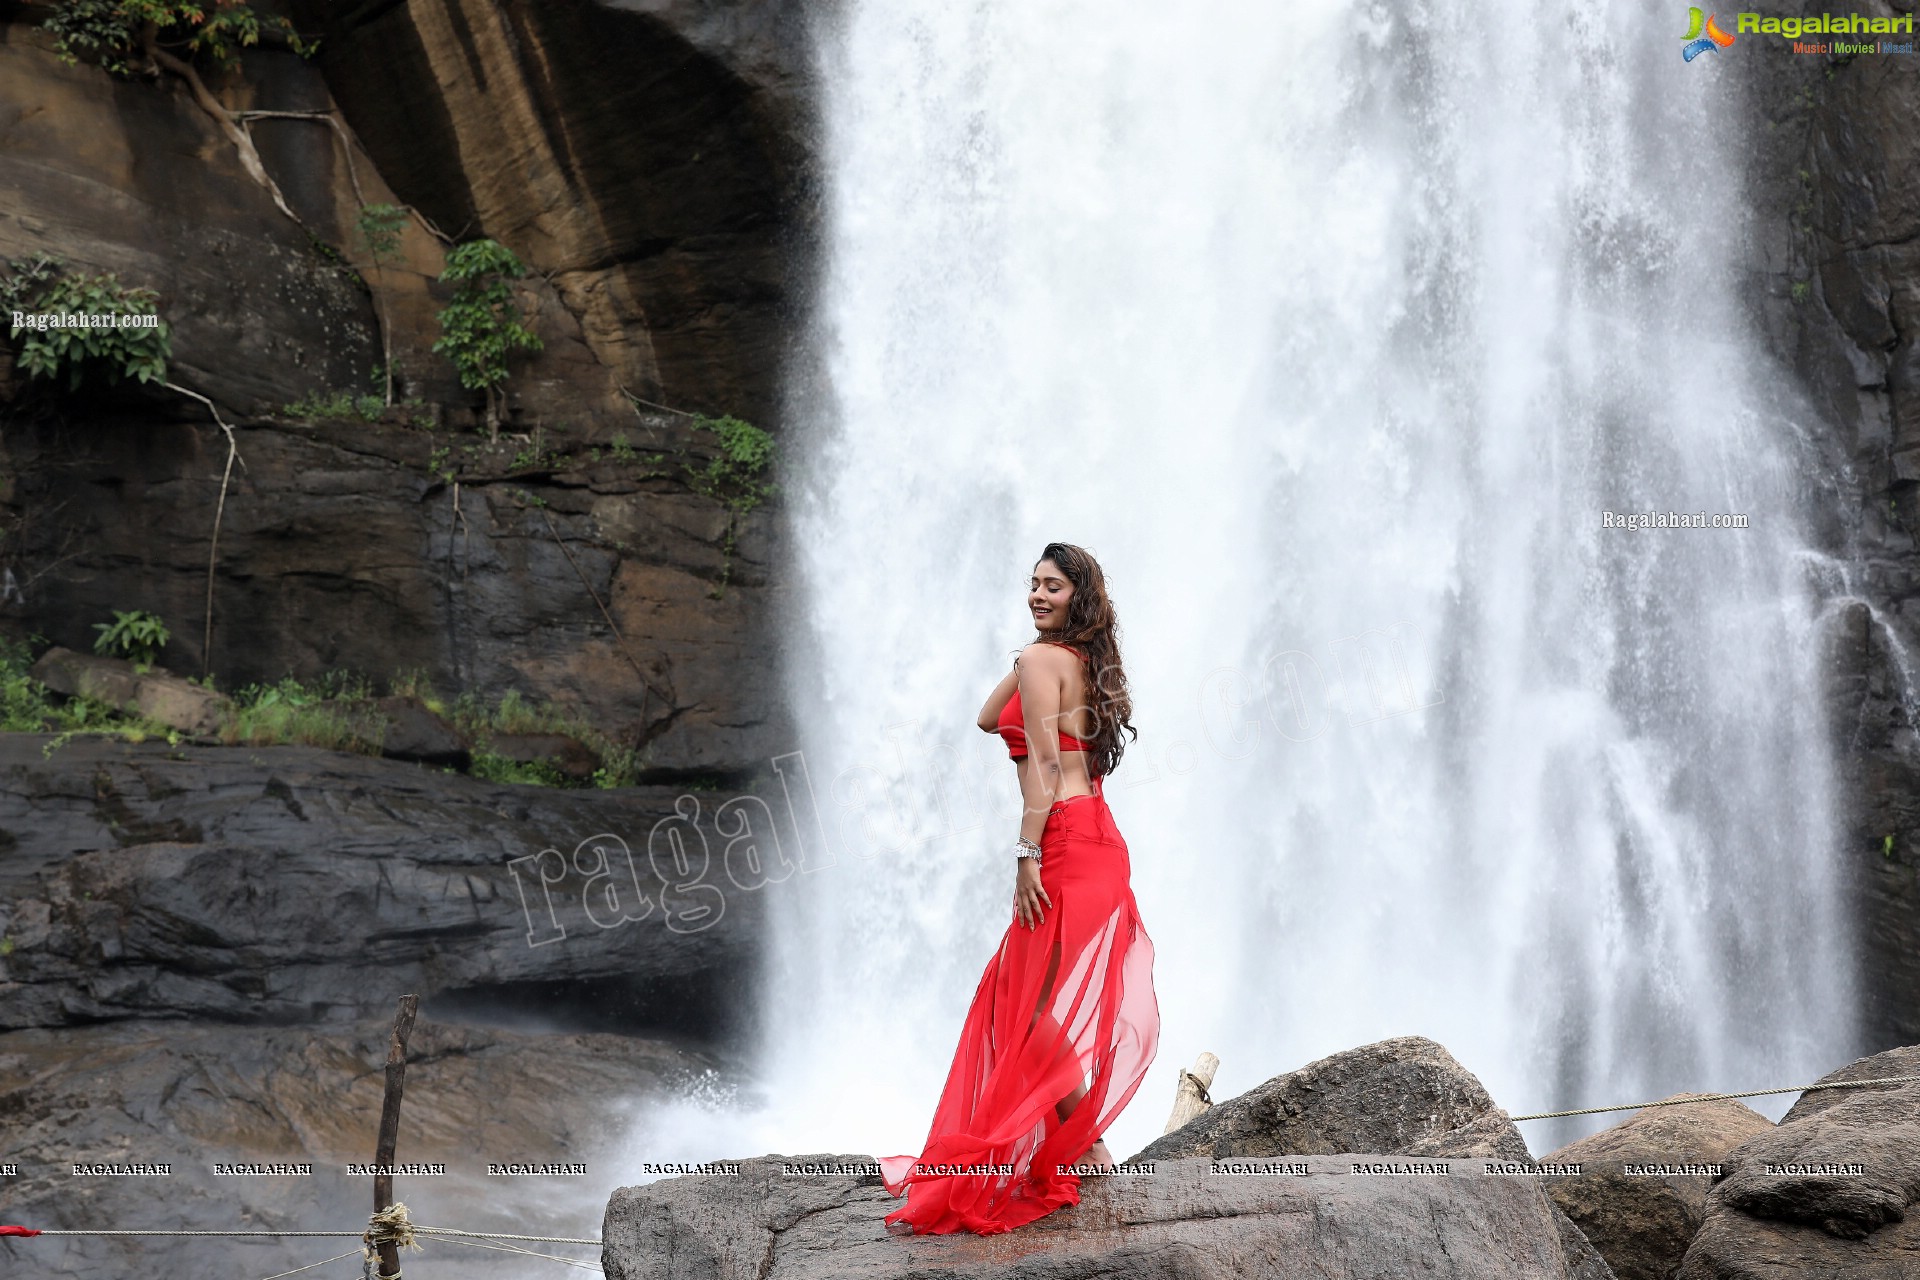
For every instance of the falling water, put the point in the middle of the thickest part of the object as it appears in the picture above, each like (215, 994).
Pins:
(1333, 329)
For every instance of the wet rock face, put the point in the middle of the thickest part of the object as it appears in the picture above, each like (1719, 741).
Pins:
(342, 549)
(1180, 1223)
(1640, 1224)
(292, 885)
(190, 1096)
(133, 178)
(1833, 252)
(1405, 1096)
(648, 155)
(1831, 1191)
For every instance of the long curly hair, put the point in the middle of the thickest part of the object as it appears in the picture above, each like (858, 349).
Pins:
(1092, 626)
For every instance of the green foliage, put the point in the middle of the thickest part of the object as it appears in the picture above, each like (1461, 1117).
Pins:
(535, 773)
(413, 683)
(337, 405)
(109, 31)
(535, 456)
(620, 450)
(134, 634)
(335, 712)
(479, 328)
(25, 281)
(478, 720)
(1886, 848)
(27, 706)
(1801, 290)
(737, 475)
(380, 226)
(38, 286)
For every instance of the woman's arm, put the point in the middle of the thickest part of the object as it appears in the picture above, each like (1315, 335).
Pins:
(997, 700)
(1043, 676)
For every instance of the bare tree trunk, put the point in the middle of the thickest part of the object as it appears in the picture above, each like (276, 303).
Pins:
(236, 132)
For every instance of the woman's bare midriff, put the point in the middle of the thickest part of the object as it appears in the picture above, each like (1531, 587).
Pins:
(1074, 781)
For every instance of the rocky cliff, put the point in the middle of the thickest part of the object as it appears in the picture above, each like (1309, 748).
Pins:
(598, 585)
(1833, 249)
(649, 157)
(287, 885)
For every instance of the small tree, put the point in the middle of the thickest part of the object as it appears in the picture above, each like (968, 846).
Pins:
(118, 33)
(134, 634)
(83, 328)
(480, 328)
(380, 226)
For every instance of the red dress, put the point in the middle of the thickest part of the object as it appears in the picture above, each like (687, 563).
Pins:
(1067, 1003)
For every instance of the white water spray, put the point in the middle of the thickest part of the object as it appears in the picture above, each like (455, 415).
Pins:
(1333, 329)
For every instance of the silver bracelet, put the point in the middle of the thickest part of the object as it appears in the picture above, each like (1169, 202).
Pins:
(1025, 848)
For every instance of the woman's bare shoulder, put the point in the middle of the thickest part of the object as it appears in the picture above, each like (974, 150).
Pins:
(1047, 653)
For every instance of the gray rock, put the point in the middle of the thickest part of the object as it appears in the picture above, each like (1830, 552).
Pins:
(415, 732)
(191, 1096)
(293, 885)
(1642, 1225)
(568, 755)
(159, 696)
(1777, 1213)
(1180, 1222)
(1404, 1096)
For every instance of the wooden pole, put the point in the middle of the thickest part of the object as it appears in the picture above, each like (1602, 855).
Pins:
(390, 1124)
(1190, 1097)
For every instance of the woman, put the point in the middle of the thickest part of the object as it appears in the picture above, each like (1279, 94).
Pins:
(1064, 1023)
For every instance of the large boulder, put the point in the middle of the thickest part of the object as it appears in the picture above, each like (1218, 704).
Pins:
(1636, 1196)
(269, 1099)
(796, 1219)
(415, 731)
(1404, 1096)
(159, 696)
(563, 753)
(1829, 1192)
(295, 885)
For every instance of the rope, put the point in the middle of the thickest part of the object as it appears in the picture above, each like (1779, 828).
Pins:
(311, 1265)
(390, 1225)
(1198, 1087)
(581, 1263)
(501, 1235)
(336, 1235)
(1716, 1097)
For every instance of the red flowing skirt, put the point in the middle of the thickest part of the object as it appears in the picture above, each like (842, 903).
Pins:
(1066, 1004)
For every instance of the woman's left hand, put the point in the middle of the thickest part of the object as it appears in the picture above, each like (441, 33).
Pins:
(1027, 893)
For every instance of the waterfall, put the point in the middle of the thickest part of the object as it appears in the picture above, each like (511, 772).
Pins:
(1333, 329)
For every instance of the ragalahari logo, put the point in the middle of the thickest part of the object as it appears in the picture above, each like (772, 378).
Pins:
(1704, 35)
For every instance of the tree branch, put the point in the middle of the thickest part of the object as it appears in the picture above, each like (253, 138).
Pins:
(236, 131)
(219, 510)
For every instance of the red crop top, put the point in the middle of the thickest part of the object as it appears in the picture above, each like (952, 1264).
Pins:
(1012, 725)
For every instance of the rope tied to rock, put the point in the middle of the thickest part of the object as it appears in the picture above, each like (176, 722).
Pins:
(1199, 1086)
(1716, 1097)
(390, 1225)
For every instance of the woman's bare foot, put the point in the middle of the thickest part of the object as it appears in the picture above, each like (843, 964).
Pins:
(1098, 1156)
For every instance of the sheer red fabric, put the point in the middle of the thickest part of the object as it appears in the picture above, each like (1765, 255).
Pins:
(1066, 1004)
